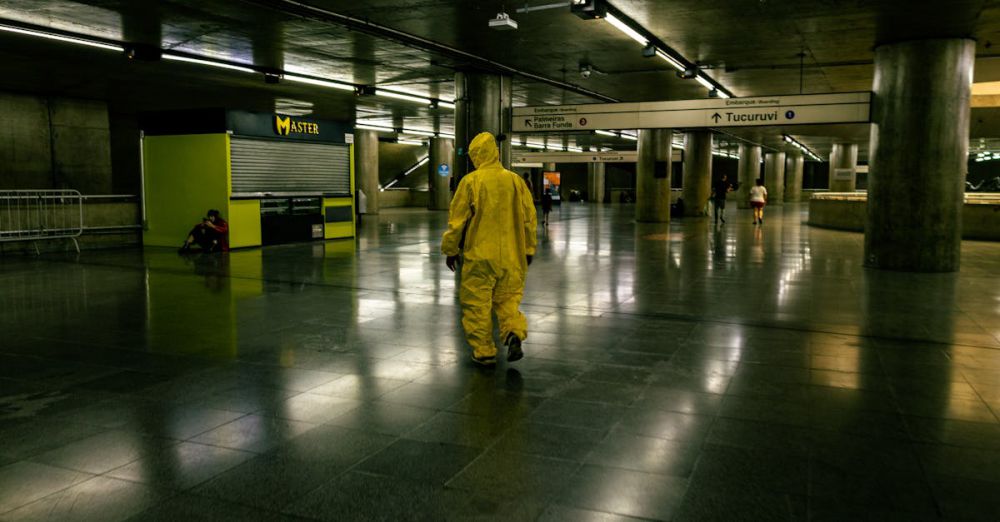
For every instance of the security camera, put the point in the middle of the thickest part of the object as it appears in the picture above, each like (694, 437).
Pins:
(586, 71)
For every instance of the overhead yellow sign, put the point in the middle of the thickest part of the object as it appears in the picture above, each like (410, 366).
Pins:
(287, 126)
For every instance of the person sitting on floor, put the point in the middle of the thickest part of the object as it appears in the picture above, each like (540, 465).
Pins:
(212, 234)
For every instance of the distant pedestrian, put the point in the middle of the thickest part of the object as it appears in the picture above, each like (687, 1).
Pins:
(720, 191)
(546, 206)
(758, 198)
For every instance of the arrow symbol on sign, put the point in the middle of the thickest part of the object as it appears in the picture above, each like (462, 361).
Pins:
(716, 117)
(527, 123)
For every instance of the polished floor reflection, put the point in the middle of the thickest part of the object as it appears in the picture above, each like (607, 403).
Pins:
(672, 373)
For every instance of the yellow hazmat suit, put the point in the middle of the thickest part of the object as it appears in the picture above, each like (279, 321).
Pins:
(496, 212)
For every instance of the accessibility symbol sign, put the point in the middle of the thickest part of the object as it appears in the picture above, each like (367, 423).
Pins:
(444, 170)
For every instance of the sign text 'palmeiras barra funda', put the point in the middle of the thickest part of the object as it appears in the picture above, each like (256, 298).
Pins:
(802, 109)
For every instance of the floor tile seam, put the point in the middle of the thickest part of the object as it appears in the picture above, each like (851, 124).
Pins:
(284, 509)
(115, 348)
(778, 326)
(169, 271)
(61, 490)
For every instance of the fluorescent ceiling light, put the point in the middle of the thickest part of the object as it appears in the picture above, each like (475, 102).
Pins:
(632, 137)
(320, 83)
(210, 63)
(606, 133)
(446, 104)
(535, 145)
(378, 128)
(574, 149)
(722, 95)
(623, 27)
(61, 38)
(704, 82)
(409, 142)
(444, 135)
(419, 132)
(671, 60)
(402, 96)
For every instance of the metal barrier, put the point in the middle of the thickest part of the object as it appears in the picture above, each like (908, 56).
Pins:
(33, 215)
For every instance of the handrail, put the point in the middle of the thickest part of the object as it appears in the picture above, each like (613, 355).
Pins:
(33, 215)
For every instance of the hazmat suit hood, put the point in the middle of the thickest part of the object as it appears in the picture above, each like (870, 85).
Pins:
(483, 151)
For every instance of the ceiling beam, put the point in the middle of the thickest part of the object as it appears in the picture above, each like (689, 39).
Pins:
(304, 10)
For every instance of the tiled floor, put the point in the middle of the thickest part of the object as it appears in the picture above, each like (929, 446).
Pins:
(672, 373)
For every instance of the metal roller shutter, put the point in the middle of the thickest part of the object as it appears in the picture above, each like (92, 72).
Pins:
(289, 167)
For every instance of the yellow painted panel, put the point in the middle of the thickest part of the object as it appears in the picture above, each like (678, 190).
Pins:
(185, 176)
(244, 223)
(339, 230)
(246, 273)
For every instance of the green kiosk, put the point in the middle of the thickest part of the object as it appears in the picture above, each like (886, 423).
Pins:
(274, 178)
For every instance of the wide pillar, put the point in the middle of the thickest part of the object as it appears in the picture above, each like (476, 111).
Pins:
(652, 184)
(843, 167)
(794, 165)
(748, 171)
(440, 166)
(774, 177)
(482, 104)
(918, 154)
(697, 172)
(595, 182)
(366, 167)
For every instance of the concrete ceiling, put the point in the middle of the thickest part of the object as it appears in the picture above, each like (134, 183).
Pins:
(752, 47)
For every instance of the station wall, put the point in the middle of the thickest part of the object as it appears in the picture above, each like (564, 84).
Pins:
(55, 142)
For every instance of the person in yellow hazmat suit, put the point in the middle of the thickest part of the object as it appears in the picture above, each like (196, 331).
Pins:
(492, 223)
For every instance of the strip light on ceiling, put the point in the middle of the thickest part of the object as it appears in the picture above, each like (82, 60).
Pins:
(210, 63)
(61, 38)
(319, 83)
(402, 96)
(636, 35)
(378, 128)
(623, 27)
(419, 132)
(409, 142)
(795, 143)
(446, 104)
(606, 133)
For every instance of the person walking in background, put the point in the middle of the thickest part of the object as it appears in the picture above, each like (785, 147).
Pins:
(719, 192)
(492, 223)
(758, 198)
(546, 206)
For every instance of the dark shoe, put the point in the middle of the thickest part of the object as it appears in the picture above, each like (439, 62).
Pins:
(723, 221)
(514, 352)
(486, 362)
(185, 248)
(755, 222)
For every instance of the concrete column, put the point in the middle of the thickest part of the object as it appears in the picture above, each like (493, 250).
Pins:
(652, 184)
(774, 177)
(843, 156)
(366, 167)
(595, 182)
(749, 171)
(794, 164)
(439, 169)
(697, 172)
(918, 154)
(482, 104)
